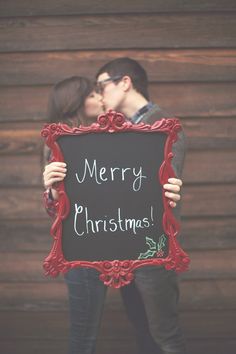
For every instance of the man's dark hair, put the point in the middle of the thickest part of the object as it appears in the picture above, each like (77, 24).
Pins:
(126, 66)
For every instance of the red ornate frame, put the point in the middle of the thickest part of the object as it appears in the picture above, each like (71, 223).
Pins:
(115, 273)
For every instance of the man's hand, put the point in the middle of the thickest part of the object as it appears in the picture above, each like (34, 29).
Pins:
(54, 172)
(172, 190)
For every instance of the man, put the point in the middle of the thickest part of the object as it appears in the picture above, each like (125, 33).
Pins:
(151, 299)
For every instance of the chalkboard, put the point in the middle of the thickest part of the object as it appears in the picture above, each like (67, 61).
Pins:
(112, 213)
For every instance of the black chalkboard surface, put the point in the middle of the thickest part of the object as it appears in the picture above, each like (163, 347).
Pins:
(112, 213)
(113, 186)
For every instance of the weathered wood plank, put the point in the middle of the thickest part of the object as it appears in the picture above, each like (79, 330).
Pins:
(208, 294)
(203, 330)
(194, 127)
(20, 171)
(162, 65)
(209, 200)
(209, 162)
(103, 32)
(218, 264)
(26, 170)
(115, 346)
(25, 235)
(182, 100)
(34, 325)
(211, 346)
(27, 267)
(36, 346)
(197, 234)
(24, 332)
(198, 201)
(208, 233)
(195, 295)
(72, 7)
(23, 103)
(194, 346)
(212, 144)
(23, 203)
(20, 141)
(196, 100)
(213, 127)
(40, 325)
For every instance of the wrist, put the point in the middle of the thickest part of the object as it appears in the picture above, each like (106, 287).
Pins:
(53, 193)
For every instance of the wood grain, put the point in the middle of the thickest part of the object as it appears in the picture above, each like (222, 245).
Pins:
(180, 99)
(203, 200)
(219, 133)
(72, 7)
(169, 65)
(20, 170)
(189, 51)
(27, 267)
(197, 234)
(195, 295)
(188, 30)
(26, 170)
(55, 324)
(25, 332)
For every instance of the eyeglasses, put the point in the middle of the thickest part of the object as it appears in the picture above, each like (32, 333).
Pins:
(100, 85)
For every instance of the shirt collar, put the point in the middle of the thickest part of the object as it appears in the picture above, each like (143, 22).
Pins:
(137, 117)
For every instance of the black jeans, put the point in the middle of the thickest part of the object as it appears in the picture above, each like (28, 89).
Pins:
(151, 304)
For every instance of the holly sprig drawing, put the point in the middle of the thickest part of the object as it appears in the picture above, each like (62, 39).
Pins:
(155, 248)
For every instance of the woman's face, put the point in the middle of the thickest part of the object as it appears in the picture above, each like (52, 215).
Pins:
(93, 105)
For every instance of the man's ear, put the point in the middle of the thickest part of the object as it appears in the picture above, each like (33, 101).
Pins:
(127, 83)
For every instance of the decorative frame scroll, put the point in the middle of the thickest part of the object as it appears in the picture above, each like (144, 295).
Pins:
(115, 273)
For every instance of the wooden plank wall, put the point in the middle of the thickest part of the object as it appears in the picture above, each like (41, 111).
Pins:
(189, 51)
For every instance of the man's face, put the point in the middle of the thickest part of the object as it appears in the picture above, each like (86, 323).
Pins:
(111, 90)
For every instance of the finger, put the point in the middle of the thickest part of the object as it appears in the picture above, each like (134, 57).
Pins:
(175, 197)
(176, 181)
(51, 181)
(57, 163)
(55, 174)
(47, 178)
(50, 168)
(171, 187)
(172, 204)
(55, 171)
(55, 166)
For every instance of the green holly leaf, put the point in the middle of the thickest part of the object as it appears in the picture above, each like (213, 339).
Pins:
(152, 244)
(147, 254)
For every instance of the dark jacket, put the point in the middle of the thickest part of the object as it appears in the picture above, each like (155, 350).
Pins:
(178, 148)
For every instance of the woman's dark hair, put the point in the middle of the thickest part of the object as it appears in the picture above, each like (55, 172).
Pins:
(67, 97)
(126, 66)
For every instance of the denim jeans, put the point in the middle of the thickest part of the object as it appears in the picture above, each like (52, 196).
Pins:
(86, 300)
(150, 301)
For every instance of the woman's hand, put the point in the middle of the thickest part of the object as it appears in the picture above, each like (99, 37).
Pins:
(54, 172)
(172, 190)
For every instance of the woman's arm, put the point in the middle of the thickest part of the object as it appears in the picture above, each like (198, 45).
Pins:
(53, 172)
(50, 204)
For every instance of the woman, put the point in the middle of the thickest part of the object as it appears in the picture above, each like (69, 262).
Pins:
(74, 101)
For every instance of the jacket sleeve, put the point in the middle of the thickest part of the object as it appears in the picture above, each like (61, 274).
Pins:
(177, 163)
(49, 203)
(179, 151)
